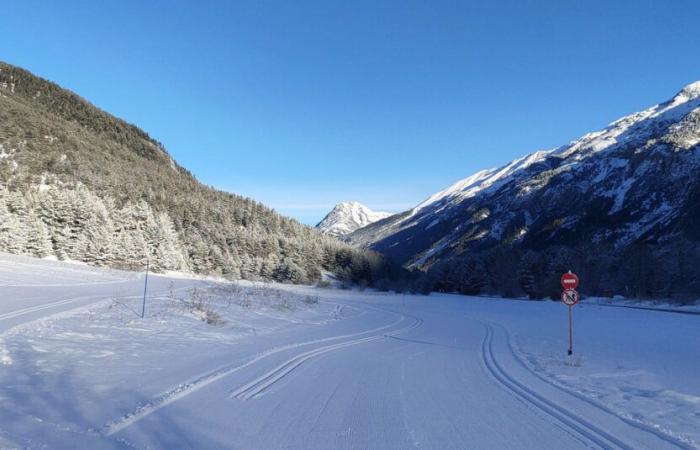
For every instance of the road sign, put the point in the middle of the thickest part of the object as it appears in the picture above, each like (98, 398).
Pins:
(569, 280)
(570, 297)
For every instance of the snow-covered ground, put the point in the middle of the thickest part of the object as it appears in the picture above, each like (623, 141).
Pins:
(660, 305)
(299, 367)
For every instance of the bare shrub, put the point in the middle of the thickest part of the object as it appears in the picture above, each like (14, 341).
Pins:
(245, 301)
(200, 305)
(284, 304)
(311, 299)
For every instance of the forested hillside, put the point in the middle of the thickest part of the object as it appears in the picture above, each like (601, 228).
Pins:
(77, 183)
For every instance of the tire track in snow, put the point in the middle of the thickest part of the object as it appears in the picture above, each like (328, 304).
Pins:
(576, 424)
(640, 426)
(207, 378)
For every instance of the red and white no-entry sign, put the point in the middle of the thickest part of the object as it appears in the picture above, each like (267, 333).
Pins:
(569, 280)
(570, 297)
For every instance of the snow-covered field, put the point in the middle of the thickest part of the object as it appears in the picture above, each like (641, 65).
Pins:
(306, 368)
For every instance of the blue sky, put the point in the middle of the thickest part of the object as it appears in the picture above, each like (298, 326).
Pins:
(304, 104)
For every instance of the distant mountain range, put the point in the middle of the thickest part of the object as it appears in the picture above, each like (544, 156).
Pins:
(77, 183)
(347, 217)
(620, 205)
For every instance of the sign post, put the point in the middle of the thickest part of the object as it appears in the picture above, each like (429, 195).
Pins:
(570, 297)
(571, 333)
(145, 289)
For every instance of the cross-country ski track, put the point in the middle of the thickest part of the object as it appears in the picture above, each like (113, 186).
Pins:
(355, 370)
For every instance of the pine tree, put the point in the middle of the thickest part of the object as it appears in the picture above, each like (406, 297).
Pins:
(12, 238)
(529, 272)
(38, 240)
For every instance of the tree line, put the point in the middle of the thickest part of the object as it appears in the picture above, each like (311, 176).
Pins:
(642, 271)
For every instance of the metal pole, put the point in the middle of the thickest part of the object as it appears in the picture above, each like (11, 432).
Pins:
(145, 289)
(571, 334)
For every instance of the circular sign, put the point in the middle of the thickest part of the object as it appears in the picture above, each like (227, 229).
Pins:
(570, 297)
(569, 280)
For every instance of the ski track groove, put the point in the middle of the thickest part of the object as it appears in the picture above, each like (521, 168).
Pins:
(323, 410)
(43, 306)
(628, 421)
(576, 424)
(261, 384)
(67, 300)
(207, 378)
(258, 386)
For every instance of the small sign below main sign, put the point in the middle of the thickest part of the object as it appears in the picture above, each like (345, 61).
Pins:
(570, 297)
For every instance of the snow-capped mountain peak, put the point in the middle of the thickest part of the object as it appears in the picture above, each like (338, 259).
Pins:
(347, 217)
(690, 91)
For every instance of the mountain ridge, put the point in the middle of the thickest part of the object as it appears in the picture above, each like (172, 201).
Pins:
(624, 187)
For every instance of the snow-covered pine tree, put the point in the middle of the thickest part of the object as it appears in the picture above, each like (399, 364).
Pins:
(38, 241)
(164, 243)
(12, 233)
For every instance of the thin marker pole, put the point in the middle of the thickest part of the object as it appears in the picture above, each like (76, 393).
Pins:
(571, 334)
(145, 289)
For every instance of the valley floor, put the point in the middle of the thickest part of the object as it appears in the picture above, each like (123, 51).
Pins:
(305, 368)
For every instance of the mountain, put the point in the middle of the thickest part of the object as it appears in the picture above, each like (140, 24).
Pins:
(620, 205)
(77, 183)
(347, 217)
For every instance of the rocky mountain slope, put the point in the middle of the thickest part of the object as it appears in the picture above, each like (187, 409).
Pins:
(79, 184)
(621, 205)
(347, 217)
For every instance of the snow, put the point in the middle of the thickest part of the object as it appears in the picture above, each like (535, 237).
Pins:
(620, 195)
(471, 186)
(466, 186)
(5, 85)
(634, 126)
(173, 165)
(299, 367)
(432, 224)
(663, 212)
(689, 92)
(8, 156)
(347, 217)
(436, 248)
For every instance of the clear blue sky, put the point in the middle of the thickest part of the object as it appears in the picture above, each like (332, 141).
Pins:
(304, 104)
